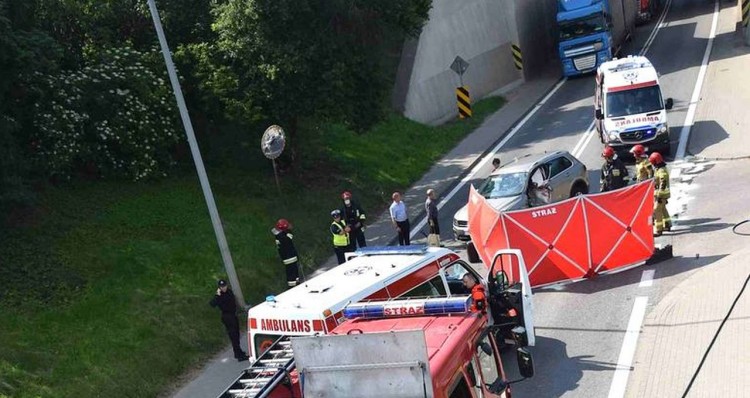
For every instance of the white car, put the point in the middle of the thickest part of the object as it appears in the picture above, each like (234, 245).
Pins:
(532, 180)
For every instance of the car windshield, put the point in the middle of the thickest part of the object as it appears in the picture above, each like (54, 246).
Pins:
(633, 102)
(503, 185)
(581, 27)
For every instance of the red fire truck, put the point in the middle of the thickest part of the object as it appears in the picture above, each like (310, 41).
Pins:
(410, 347)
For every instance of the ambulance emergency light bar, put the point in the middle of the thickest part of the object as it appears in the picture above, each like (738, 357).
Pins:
(399, 308)
(385, 250)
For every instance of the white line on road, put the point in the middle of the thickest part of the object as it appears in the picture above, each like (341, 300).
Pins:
(685, 132)
(625, 360)
(489, 155)
(647, 278)
(652, 36)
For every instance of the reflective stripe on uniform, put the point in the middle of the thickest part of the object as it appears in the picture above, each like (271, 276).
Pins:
(662, 183)
(290, 260)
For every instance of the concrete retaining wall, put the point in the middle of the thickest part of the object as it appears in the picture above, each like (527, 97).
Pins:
(480, 32)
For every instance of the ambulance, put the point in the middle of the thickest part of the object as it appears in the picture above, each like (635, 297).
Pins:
(406, 347)
(371, 273)
(629, 108)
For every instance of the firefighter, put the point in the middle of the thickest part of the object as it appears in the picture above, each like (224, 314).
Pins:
(287, 251)
(643, 168)
(478, 298)
(340, 232)
(354, 217)
(224, 299)
(614, 174)
(661, 194)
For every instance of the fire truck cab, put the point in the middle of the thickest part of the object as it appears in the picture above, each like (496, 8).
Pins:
(432, 348)
(372, 273)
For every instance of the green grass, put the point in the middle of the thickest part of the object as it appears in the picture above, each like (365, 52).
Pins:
(104, 287)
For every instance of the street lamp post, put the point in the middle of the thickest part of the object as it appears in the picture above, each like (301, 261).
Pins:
(212, 210)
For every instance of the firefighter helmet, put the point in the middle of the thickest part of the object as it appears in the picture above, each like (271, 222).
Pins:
(608, 152)
(282, 224)
(655, 158)
(346, 195)
(638, 150)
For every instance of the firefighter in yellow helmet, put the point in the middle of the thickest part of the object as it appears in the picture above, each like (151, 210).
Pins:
(661, 194)
(643, 168)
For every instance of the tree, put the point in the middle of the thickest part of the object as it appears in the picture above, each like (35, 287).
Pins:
(319, 58)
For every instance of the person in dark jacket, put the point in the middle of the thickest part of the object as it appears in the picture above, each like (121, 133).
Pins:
(224, 299)
(287, 251)
(354, 217)
(614, 174)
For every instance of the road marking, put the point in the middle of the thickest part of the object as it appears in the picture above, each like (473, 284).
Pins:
(685, 132)
(625, 360)
(658, 26)
(647, 278)
(490, 155)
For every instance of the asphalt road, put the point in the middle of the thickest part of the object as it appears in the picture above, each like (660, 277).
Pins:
(581, 327)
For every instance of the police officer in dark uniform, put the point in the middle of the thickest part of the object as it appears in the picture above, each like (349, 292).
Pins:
(614, 174)
(224, 299)
(354, 217)
(287, 251)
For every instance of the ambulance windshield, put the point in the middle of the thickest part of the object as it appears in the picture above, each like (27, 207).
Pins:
(633, 102)
(503, 185)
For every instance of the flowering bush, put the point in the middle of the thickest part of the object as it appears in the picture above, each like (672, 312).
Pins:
(116, 116)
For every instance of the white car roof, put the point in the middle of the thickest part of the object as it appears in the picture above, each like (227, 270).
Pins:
(628, 71)
(351, 281)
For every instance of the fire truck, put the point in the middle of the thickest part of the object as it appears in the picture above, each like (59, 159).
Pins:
(407, 347)
(371, 273)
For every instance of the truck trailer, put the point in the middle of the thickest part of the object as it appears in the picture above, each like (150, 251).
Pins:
(591, 32)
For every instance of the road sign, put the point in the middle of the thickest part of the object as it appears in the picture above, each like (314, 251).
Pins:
(273, 141)
(459, 66)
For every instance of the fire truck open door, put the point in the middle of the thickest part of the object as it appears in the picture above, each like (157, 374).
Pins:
(510, 296)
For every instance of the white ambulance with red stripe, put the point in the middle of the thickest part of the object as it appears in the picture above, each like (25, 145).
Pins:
(629, 108)
(372, 273)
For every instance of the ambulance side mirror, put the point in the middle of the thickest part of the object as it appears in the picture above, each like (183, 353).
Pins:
(669, 104)
(525, 363)
(599, 115)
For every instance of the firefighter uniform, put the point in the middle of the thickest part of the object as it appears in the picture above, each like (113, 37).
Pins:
(340, 237)
(478, 299)
(614, 175)
(643, 170)
(354, 217)
(288, 254)
(662, 221)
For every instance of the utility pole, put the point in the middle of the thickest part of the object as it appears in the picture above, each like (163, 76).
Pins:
(212, 210)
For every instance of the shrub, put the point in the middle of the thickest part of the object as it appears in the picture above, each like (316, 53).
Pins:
(114, 117)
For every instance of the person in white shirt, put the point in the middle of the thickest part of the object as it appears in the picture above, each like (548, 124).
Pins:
(400, 219)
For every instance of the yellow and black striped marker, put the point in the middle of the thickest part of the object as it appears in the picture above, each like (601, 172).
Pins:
(464, 102)
(745, 12)
(517, 58)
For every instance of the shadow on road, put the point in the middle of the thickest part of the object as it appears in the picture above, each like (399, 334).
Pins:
(555, 372)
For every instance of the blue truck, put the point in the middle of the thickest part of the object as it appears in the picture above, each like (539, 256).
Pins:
(592, 32)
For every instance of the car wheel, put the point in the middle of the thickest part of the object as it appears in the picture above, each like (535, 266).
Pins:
(472, 253)
(579, 189)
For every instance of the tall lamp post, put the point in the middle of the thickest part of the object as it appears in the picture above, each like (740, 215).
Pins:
(212, 210)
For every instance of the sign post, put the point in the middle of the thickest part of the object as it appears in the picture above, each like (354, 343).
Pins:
(463, 98)
(272, 144)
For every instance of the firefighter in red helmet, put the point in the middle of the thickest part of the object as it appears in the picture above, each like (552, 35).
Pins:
(287, 251)
(354, 217)
(643, 168)
(614, 174)
(662, 221)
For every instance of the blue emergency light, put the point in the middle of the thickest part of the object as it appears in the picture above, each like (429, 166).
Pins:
(408, 307)
(386, 250)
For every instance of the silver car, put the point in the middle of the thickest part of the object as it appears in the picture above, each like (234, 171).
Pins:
(532, 180)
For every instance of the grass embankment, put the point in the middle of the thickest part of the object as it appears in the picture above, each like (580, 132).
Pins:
(105, 286)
